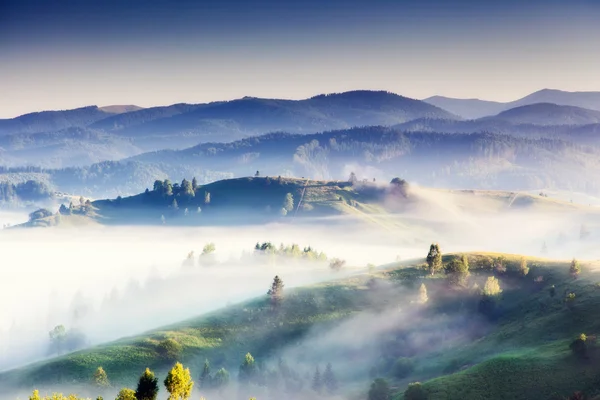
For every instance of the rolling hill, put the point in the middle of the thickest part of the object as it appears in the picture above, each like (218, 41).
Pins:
(460, 343)
(475, 108)
(549, 114)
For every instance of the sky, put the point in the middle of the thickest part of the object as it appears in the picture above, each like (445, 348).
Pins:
(61, 54)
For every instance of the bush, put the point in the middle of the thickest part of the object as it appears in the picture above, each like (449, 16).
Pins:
(403, 367)
(415, 391)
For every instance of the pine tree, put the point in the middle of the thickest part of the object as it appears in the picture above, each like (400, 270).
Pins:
(575, 268)
(317, 382)
(248, 369)
(423, 298)
(179, 383)
(221, 379)
(205, 376)
(101, 378)
(434, 258)
(174, 205)
(194, 183)
(187, 189)
(380, 390)
(329, 380)
(276, 291)
(147, 387)
(206, 198)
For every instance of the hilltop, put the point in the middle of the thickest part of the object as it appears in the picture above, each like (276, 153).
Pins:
(476, 108)
(459, 343)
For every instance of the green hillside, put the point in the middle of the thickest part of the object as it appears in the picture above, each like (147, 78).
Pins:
(459, 343)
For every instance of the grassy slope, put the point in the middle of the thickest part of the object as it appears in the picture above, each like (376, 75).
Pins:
(525, 356)
(260, 200)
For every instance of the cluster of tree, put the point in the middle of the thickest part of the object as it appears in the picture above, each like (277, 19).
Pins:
(206, 258)
(84, 208)
(62, 341)
(292, 251)
(29, 191)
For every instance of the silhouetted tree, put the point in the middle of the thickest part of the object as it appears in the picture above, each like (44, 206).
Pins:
(317, 381)
(329, 380)
(380, 390)
(205, 376)
(147, 388)
(434, 258)
(276, 291)
(194, 183)
(221, 379)
(336, 264)
(575, 268)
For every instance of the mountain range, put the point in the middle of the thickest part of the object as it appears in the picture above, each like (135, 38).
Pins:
(476, 108)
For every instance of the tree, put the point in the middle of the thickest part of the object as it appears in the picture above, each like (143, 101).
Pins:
(276, 291)
(415, 391)
(434, 258)
(575, 268)
(35, 395)
(552, 291)
(147, 388)
(126, 394)
(380, 390)
(221, 379)
(491, 287)
(288, 202)
(187, 190)
(206, 198)
(352, 179)
(330, 380)
(100, 378)
(167, 187)
(257, 174)
(174, 205)
(544, 248)
(194, 184)
(457, 271)
(58, 336)
(205, 376)
(81, 200)
(423, 298)
(248, 369)
(523, 268)
(317, 381)
(179, 383)
(208, 248)
(158, 186)
(283, 212)
(163, 220)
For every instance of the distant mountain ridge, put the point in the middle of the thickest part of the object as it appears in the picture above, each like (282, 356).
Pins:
(476, 108)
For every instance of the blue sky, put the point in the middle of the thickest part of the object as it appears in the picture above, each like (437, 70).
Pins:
(57, 54)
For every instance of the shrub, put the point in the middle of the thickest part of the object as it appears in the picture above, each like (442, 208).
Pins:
(415, 391)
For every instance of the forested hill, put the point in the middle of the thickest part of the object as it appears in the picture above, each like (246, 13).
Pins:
(479, 161)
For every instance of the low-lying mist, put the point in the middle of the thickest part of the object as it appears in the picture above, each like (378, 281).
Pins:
(104, 283)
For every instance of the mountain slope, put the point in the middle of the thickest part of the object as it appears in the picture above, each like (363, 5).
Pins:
(475, 108)
(458, 348)
(120, 109)
(466, 108)
(549, 114)
(230, 120)
(52, 120)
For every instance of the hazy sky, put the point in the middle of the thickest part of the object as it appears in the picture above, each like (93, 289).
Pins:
(57, 54)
